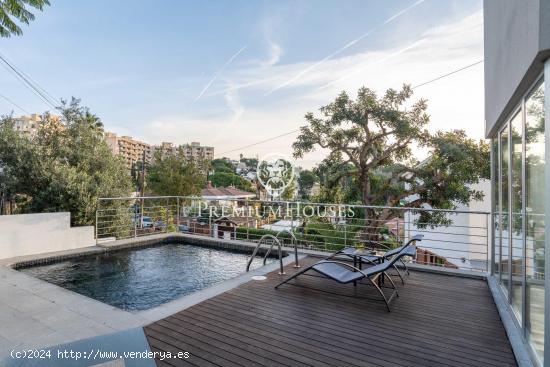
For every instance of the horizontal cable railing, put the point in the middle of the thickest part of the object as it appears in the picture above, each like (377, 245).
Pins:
(455, 239)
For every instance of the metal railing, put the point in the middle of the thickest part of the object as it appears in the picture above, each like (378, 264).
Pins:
(270, 240)
(456, 239)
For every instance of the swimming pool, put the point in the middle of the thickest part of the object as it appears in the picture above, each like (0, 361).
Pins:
(142, 278)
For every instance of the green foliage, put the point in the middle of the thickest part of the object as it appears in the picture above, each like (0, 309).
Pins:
(256, 233)
(289, 191)
(370, 142)
(174, 175)
(222, 165)
(230, 179)
(17, 9)
(337, 182)
(224, 175)
(66, 167)
(315, 234)
(306, 180)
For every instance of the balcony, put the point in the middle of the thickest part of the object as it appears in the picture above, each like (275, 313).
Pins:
(447, 312)
(438, 320)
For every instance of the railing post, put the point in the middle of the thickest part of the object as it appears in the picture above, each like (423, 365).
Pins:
(397, 231)
(247, 219)
(291, 221)
(96, 219)
(166, 216)
(345, 231)
(487, 223)
(210, 225)
(178, 214)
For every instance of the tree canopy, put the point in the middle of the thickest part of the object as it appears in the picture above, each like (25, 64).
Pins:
(222, 165)
(65, 167)
(174, 175)
(230, 179)
(14, 11)
(372, 141)
(306, 180)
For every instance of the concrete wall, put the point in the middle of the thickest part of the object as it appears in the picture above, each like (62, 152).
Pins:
(517, 41)
(30, 234)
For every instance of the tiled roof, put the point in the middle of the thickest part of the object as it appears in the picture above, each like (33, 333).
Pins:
(225, 192)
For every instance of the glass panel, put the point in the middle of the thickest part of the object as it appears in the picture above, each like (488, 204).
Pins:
(496, 208)
(534, 208)
(516, 216)
(504, 207)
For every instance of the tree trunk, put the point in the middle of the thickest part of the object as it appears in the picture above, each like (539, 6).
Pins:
(372, 225)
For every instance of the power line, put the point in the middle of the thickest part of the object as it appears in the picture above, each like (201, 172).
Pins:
(54, 99)
(416, 86)
(448, 74)
(30, 84)
(15, 104)
(261, 142)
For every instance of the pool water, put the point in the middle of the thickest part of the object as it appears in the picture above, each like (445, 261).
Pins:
(143, 278)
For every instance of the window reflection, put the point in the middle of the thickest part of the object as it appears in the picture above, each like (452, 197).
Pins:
(516, 209)
(496, 207)
(534, 207)
(504, 243)
(519, 239)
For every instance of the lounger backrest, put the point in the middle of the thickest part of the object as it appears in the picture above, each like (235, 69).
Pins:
(403, 251)
(397, 250)
(407, 250)
(394, 251)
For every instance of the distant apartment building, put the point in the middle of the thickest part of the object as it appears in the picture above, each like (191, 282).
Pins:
(190, 151)
(128, 148)
(28, 125)
(195, 150)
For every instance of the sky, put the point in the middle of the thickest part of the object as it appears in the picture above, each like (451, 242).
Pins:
(231, 73)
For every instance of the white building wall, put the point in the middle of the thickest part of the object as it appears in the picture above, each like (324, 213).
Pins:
(465, 242)
(30, 234)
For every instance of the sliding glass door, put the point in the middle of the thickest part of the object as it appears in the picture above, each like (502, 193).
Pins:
(504, 188)
(518, 153)
(516, 214)
(534, 211)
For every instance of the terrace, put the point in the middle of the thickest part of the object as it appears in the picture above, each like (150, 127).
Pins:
(447, 312)
(302, 325)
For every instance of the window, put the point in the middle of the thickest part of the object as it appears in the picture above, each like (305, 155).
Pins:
(516, 214)
(496, 207)
(534, 210)
(518, 153)
(504, 243)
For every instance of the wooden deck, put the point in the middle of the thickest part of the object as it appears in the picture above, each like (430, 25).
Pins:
(437, 320)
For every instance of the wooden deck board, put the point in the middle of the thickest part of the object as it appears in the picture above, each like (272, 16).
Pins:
(437, 320)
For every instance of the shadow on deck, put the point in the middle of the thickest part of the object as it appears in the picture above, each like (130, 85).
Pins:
(438, 320)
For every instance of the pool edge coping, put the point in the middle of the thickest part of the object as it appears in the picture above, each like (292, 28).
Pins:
(144, 317)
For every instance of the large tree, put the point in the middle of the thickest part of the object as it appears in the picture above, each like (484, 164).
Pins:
(377, 137)
(65, 167)
(174, 175)
(14, 11)
(337, 184)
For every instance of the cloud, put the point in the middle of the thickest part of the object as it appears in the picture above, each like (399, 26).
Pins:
(454, 102)
(344, 48)
(216, 74)
(274, 54)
